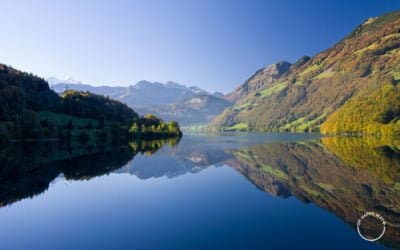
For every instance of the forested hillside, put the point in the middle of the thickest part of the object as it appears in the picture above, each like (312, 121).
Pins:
(352, 87)
(30, 110)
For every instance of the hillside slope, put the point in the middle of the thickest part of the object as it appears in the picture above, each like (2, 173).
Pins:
(351, 87)
(260, 80)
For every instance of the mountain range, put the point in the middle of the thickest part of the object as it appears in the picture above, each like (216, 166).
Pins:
(349, 88)
(170, 100)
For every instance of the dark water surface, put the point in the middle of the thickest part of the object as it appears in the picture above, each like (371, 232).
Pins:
(274, 191)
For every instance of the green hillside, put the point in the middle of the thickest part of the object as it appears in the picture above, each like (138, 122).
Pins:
(351, 87)
(31, 111)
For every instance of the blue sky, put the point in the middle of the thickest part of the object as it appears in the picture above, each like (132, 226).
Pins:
(215, 45)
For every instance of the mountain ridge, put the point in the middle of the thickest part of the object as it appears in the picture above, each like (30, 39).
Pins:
(120, 92)
(170, 100)
(338, 80)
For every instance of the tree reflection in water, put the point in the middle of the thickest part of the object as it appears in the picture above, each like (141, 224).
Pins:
(27, 169)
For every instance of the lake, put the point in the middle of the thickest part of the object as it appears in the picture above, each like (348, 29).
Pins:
(245, 191)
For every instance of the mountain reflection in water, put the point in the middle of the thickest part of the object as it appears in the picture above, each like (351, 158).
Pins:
(345, 176)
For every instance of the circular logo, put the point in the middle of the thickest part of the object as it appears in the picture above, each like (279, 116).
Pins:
(375, 216)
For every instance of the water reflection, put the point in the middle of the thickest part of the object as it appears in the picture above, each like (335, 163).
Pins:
(346, 176)
(27, 169)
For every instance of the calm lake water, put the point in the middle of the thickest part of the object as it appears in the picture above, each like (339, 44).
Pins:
(250, 191)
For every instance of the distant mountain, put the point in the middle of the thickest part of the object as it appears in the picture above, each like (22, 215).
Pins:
(54, 80)
(145, 93)
(60, 86)
(352, 87)
(198, 109)
(141, 94)
(218, 94)
(170, 101)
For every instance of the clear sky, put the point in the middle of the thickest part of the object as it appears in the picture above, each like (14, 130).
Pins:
(214, 44)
